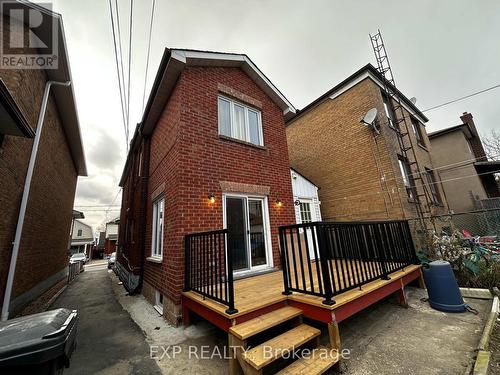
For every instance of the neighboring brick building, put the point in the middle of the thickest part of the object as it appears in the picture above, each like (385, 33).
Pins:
(212, 140)
(357, 170)
(468, 177)
(111, 236)
(43, 252)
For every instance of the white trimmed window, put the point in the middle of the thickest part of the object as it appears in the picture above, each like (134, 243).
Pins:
(239, 121)
(158, 224)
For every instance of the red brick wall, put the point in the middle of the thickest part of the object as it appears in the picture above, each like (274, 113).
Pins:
(44, 245)
(189, 160)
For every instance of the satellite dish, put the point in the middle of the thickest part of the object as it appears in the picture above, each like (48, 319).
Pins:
(413, 100)
(370, 116)
(370, 119)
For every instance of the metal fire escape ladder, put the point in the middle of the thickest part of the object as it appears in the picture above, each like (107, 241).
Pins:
(423, 201)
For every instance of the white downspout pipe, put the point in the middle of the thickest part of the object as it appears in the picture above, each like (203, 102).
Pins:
(24, 200)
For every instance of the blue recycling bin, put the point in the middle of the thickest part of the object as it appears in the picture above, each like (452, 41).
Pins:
(442, 287)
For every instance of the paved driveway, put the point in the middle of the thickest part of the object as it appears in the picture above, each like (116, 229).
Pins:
(108, 341)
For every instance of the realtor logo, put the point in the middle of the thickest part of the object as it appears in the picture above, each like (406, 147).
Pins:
(28, 36)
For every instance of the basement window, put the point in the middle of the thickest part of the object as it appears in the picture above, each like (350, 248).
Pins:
(239, 121)
(158, 302)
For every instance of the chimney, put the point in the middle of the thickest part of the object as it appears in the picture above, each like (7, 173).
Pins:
(475, 141)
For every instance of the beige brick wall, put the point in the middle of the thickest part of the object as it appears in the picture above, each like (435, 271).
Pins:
(358, 174)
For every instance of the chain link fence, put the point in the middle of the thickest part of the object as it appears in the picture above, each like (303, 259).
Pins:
(484, 222)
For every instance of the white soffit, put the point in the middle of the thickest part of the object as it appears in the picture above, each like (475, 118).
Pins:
(369, 75)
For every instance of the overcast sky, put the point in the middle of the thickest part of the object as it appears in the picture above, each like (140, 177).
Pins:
(438, 51)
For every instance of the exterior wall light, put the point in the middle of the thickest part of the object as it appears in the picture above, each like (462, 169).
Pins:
(279, 203)
(211, 198)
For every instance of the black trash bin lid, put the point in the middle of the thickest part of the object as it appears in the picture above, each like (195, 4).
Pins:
(35, 338)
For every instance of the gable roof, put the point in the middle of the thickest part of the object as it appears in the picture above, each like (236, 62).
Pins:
(465, 128)
(367, 71)
(173, 62)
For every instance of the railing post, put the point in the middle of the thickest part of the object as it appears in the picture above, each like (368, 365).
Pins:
(324, 260)
(187, 262)
(409, 240)
(284, 262)
(379, 242)
(229, 268)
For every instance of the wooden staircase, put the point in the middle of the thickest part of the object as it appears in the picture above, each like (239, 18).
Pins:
(278, 343)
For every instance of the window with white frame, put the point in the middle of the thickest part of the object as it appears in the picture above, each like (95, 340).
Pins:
(239, 121)
(158, 224)
(305, 212)
(408, 180)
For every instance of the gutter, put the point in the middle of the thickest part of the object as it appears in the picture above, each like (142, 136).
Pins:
(25, 197)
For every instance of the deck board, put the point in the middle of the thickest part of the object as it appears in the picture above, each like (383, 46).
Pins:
(257, 292)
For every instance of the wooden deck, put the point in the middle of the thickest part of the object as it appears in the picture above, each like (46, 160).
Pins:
(263, 291)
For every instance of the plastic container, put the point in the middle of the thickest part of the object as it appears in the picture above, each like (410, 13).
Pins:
(442, 287)
(39, 343)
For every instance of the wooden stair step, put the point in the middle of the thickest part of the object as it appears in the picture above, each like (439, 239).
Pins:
(319, 361)
(276, 347)
(264, 322)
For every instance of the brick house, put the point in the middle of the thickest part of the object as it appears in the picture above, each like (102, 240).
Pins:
(209, 153)
(468, 176)
(111, 236)
(43, 253)
(361, 173)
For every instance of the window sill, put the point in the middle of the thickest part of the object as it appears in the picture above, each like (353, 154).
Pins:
(226, 138)
(158, 309)
(155, 259)
(422, 147)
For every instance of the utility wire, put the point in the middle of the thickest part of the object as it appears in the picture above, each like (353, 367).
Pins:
(121, 55)
(147, 58)
(129, 65)
(118, 73)
(397, 178)
(461, 98)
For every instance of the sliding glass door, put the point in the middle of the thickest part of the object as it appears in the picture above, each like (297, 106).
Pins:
(247, 224)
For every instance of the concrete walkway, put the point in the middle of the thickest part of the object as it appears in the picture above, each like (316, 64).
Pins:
(108, 341)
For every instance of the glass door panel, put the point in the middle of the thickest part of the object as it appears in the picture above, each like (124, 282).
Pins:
(237, 232)
(257, 232)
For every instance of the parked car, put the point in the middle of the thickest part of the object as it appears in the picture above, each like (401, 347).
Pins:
(111, 260)
(78, 257)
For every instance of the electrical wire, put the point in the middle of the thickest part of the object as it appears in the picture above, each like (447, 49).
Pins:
(461, 98)
(129, 65)
(147, 58)
(121, 54)
(118, 74)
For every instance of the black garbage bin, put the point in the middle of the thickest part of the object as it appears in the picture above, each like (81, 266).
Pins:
(39, 343)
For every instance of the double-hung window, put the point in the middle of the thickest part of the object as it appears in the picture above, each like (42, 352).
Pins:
(389, 111)
(239, 121)
(158, 224)
(431, 182)
(418, 131)
(408, 180)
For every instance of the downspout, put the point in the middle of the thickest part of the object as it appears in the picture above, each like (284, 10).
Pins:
(25, 197)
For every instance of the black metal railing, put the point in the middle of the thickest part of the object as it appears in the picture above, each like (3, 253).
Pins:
(328, 258)
(209, 268)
